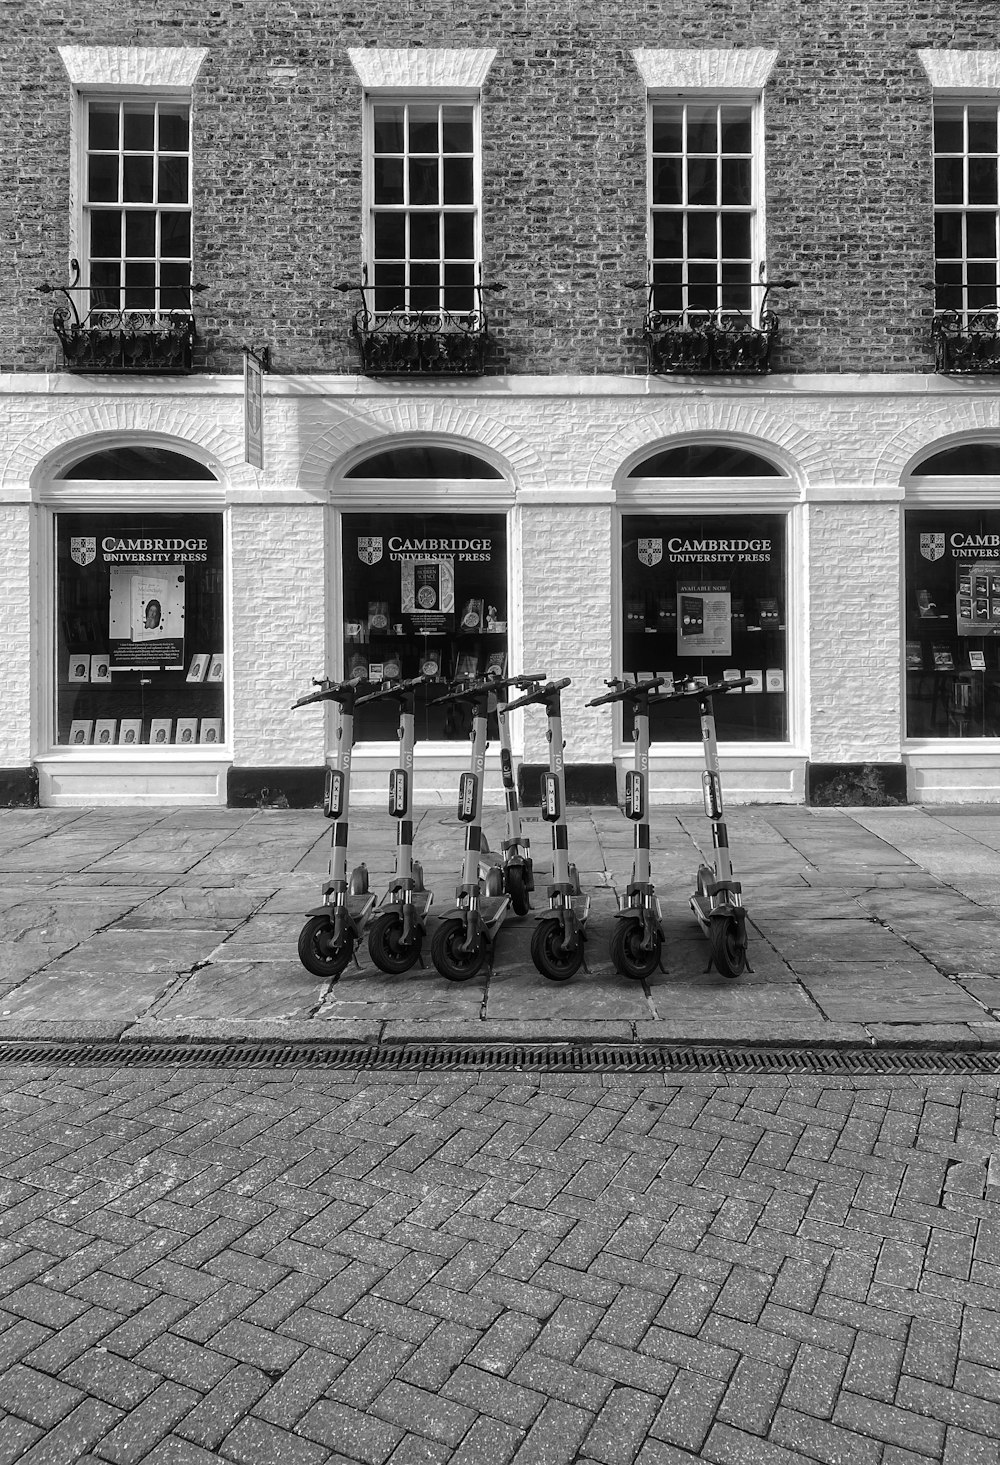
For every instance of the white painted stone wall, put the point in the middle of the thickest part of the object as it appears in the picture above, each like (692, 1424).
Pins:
(854, 633)
(279, 632)
(16, 637)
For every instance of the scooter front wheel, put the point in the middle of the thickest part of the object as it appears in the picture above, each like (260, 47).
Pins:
(550, 956)
(317, 951)
(386, 947)
(517, 889)
(447, 956)
(627, 954)
(727, 934)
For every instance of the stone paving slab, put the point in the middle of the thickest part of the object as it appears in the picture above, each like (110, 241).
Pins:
(869, 916)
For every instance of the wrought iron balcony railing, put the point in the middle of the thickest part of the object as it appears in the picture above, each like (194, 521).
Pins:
(411, 342)
(121, 339)
(966, 344)
(711, 342)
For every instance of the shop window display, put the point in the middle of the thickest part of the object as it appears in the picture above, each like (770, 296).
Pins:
(139, 630)
(706, 596)
(423, 593)
(952, 623)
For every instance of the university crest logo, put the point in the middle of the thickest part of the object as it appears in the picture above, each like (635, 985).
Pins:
(83, 551)
(369, 548)
(932, 546)
(650, 551)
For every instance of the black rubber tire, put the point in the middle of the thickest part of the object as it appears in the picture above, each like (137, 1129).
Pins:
(517, 889)
(385, 946)
(556, 965)
(457, 966)
(729, 952)
(627, 955)
(316, 953)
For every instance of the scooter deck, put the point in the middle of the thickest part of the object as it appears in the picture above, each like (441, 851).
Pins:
(359, 906)
(490, 906)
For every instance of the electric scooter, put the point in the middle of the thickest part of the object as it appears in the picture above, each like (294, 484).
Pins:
(637, 940)
(718, 900)
(333, 929)
(396, 933)
(510, 869)
(465, 938)
(558, 939)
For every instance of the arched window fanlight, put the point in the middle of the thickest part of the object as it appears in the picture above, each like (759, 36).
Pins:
(967, 460)
(430, 461)
(706, 460)
(137, 462)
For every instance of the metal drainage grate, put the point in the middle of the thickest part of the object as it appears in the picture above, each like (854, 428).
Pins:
(508, 1058)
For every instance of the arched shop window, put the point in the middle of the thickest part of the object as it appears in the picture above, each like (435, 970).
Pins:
(952, 593)
(705, 590)
(139, 626)
(424, 583)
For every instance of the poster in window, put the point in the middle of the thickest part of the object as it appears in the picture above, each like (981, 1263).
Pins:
(130, 731)
(146, 617)
(187, 731)
(100, 669)
(427, 593)
(704, 624)
(105, 729)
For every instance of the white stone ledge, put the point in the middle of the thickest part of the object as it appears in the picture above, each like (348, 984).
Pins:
(133, 66)
(444, 70)
(962, 71)
(746, 69)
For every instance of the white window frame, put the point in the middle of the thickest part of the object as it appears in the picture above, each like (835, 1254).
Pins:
(421, 96)
(758, 230)
(964, 311)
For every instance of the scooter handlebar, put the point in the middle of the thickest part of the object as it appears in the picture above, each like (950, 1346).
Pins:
(680, 690)
(628, 691)
(540, 694)
(330, 691)
(472, 689)
(398, 689)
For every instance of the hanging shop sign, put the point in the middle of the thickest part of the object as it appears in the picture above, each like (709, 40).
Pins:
(253, 407)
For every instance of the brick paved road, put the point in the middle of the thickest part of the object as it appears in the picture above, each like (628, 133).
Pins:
(303, 1267)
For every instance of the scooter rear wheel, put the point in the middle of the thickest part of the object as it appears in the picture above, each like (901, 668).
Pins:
(317, 952)
(729, 945)
(548, 954)
(450, 961)
(387, 949)
(517, 889)
(627, 955)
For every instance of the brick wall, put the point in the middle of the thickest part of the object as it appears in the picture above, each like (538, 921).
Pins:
(278, 167)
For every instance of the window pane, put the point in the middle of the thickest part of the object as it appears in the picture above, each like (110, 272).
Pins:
(702, 130)
(389, 282)
(388, 129)
(138, 122)
(172, 182)
(667, 292)
(425, 280)
(103, 126)
(459, 183)
(425, 236)
(175, 283)
(137, 176)
(106, 233)
(703, 236)
(949, 130)
(423, 127)
(105, 286)
(668, 236)
(982, 180)
(736, 129)
(948, 236)
(388, 180)
(456, 129)
(667, 180)
(175, 235)
(736, 292)
(736, 236)
(982, 129)
(982, 236)
(459, 292)
(667, 129)
(703, 293)
(424, 181)
(102, 179)
(459, 236)
(390, 236)
(139, 282)
(949, 180)
(702, 176)
(737, 187)
(140, 234)
(173, 129)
